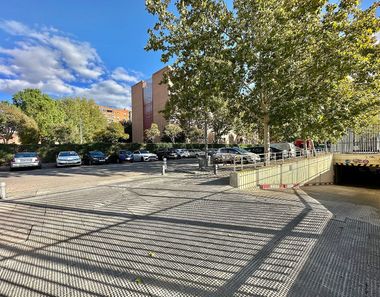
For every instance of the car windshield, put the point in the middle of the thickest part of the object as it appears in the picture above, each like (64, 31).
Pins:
(240, 150)
(68, 154)
(96, 154)
(280, 146)
(25, 155)
(144, 152)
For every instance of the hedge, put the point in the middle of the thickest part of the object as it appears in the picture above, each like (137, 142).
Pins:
(48, 153)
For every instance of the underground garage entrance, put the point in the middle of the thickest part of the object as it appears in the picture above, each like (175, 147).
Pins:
(357, 176)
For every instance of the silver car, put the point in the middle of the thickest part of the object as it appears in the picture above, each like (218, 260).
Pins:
(68, 158)
(26, 159)
(236, 154)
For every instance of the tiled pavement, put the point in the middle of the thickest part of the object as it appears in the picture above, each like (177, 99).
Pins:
(176, 236)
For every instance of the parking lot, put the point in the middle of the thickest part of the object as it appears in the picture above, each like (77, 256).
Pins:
(31, 182)
(133, 232)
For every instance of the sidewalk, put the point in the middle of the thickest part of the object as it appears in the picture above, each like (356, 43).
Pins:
(182, 235)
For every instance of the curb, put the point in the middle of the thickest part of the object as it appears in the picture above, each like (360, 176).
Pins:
(280, 186)
(318, 184)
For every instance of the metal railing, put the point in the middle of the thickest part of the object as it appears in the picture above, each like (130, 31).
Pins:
(239, 162)
(368, 141)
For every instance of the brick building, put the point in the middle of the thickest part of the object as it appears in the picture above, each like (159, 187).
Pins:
(115, 115)
(148, 99)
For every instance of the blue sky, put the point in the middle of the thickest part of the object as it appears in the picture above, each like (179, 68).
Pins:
(92, 48)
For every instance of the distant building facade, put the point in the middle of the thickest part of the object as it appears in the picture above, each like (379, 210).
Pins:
(148, 99)
(114, 115)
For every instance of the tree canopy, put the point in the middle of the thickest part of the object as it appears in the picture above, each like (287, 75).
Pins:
(84, 119)
(300, 68)
(152, 133)
(12, 121)
(43, 109)
(112, 134)
(172, 131)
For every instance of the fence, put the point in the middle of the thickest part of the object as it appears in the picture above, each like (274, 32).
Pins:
(367, 141)
(229, 162)
(298, 172)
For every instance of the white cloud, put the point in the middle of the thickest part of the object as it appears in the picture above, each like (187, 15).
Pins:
(6, 70)
(59, 65)
(107, 92)
(80, 57)
(121, 74)
(14, 28)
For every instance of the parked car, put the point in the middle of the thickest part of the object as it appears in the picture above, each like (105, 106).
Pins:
(144, 155)
(285, 146)
(125, 156)
(228, 155)
(94, 157)
(276, 154)
(68, 158)
(25, 159)
(168, 153)
(211, 151)
(183, 153)
(196, 153)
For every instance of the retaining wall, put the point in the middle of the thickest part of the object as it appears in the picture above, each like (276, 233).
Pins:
(317, 169)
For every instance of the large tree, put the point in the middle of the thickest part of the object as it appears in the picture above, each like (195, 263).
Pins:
(194, 35)
(12, 121)
(43, 109)
(84, 118)
(306, 68)
(112, 134)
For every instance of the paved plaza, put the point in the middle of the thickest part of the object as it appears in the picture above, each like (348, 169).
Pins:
(185, 235)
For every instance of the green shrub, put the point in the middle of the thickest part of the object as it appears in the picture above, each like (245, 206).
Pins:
(49, 152)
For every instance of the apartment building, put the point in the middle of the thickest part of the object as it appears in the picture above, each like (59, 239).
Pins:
(115, 115)
(148, 99)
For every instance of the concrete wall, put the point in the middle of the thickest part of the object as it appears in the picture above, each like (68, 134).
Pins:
(138, 113)
(371, 160)
(299, 172)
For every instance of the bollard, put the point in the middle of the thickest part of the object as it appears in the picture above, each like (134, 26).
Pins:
(234, 164)
(2, 190)
(215, 168)
(242, 163)
(164, 166)
(208, 161)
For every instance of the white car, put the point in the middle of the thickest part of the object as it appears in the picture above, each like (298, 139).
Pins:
(289, 147)
(68, 158)
(144, 155)
(183, 153)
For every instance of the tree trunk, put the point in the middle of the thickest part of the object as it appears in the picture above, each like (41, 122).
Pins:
(266, 139)
(205, 137)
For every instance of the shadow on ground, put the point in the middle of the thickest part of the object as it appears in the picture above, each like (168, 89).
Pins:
(175, 237)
